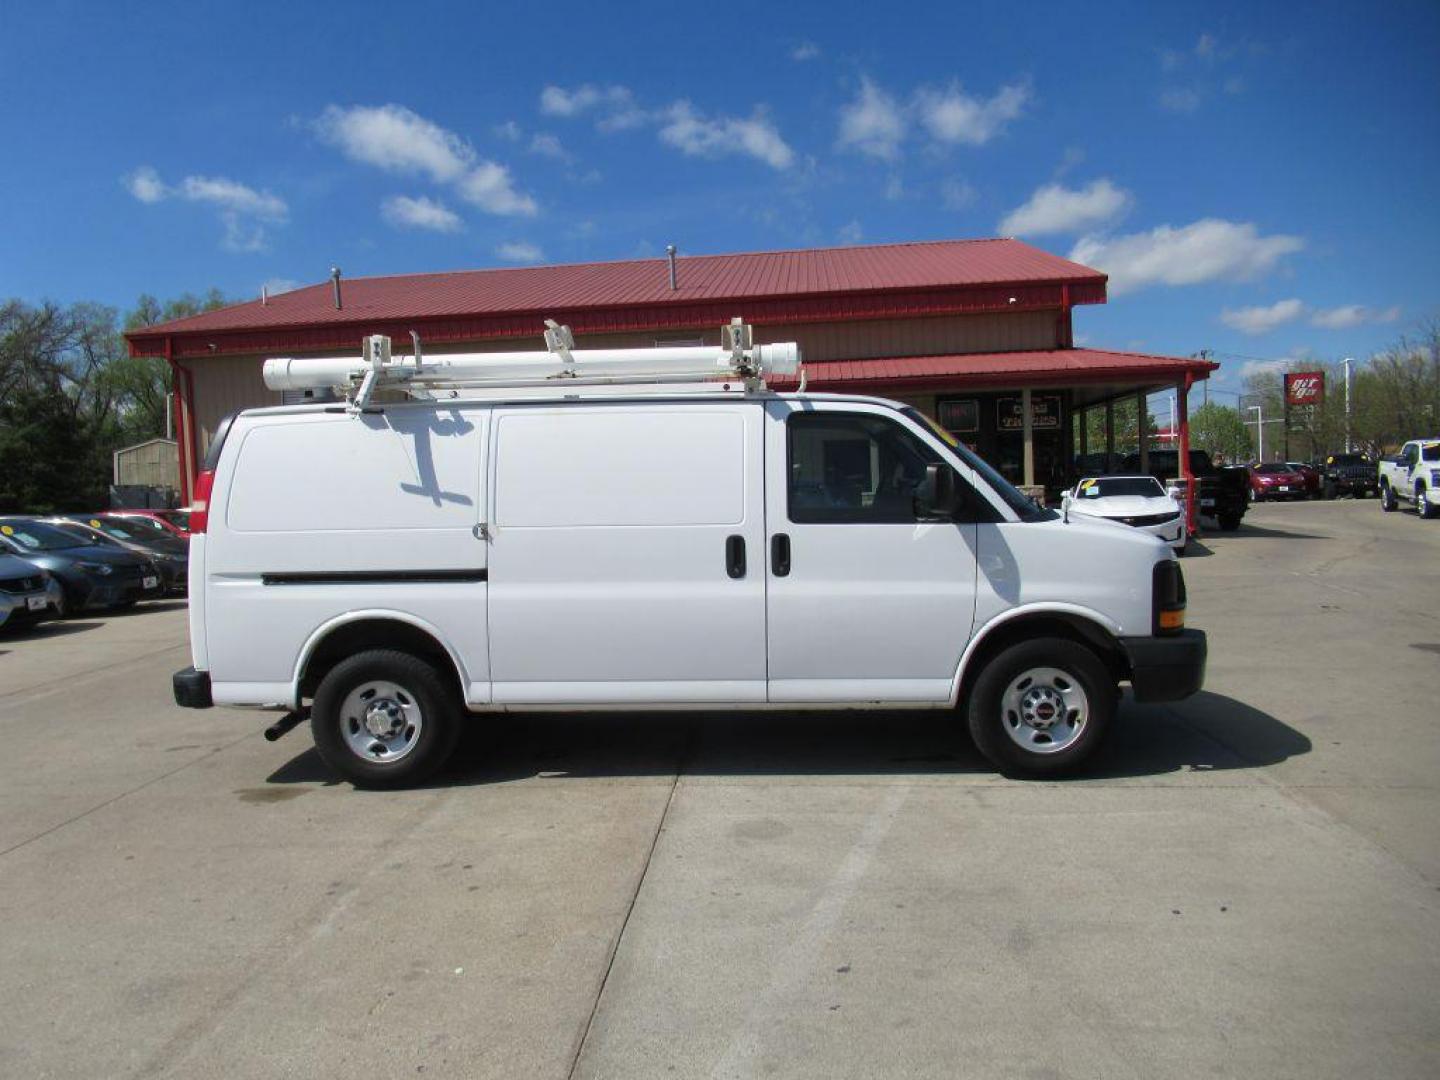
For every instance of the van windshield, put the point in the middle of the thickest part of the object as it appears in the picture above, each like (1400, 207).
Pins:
(1025, 508)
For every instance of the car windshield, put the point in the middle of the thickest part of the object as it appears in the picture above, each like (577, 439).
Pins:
(81, 534)
(1273, 468)
(144, 526)
(1102, 487)
(37, 536)
(1025, 508)
(117, 530)
(179, 518)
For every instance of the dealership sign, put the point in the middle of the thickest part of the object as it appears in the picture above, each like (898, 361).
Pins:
(1304, 388)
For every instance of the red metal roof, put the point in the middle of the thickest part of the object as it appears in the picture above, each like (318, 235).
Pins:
(1062, 366)
(780, 286)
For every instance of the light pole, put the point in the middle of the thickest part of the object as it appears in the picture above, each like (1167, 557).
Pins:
(1259, 411)
(1347, 404)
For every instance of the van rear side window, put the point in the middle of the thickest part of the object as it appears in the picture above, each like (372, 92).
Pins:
(597, 467)
(388, 471)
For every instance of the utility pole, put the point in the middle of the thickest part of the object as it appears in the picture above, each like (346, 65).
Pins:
(1346, 362)
(1259, 411)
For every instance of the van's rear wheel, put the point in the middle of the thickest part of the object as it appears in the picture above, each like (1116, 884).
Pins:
(1041, 707)
(384, 719)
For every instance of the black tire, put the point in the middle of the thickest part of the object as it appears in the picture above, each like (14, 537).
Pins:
(1423, 506)
(990, 721)
(419, 684)
(1387, 499)
(1229, 522)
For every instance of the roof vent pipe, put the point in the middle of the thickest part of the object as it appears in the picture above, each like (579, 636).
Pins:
(264, 295)
(670, 254)
(335, 284)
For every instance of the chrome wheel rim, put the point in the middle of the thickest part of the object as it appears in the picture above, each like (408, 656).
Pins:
(381, 721)
(1044, 710)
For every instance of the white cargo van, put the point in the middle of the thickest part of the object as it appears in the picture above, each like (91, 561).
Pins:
(493, 542)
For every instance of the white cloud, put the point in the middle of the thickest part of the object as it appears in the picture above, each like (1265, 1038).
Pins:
(806, 50)
(547, 145)
(405, 212)
(894, 188)
(489, 187)
(1211, 249)
(957, 194)
(614, 104)
(244, 211)
(144, 183)
(873, 123)
(1350, 315)
(394, 138)
(520, 251)
(277, 285)
(953, 116)
(1263, 319)
(1205, 47)
(1055, 208)
(1180, 100)
(235, 197)
(691, 133)
(1254, 368)
(851, 233)
(509, 130)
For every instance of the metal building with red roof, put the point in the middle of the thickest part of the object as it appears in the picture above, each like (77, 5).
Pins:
(977, 333)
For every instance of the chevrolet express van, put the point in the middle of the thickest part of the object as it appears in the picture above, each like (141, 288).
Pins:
(387, 568)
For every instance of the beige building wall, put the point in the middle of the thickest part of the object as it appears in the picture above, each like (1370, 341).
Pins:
(151, 464)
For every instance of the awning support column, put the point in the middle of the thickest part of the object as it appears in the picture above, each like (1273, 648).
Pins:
(1083, 419)
(1141, 415)
(1029, 429)
(1182, 409)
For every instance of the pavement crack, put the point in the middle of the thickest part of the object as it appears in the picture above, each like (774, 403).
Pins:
(124, 794)
(630, 907)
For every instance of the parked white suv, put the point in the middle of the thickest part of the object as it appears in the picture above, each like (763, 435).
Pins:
(1413, 475)
(387, 569)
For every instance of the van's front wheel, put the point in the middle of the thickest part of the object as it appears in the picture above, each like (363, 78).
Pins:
(384, 719)
(1041, 707)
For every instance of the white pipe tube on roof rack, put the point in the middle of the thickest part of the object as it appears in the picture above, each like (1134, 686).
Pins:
(305, 373)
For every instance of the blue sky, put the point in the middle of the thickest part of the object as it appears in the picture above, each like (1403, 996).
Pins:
(1258, 181)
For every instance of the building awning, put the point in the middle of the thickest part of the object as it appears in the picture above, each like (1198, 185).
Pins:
(1005, 370)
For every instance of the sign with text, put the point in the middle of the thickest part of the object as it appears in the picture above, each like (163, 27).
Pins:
(1044, 413)
(961, 417)
(1304, 387)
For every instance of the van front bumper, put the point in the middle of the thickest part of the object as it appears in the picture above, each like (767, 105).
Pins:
(192, 688)
(1166, 668)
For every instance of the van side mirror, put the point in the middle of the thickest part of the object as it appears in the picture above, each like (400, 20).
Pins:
(935, 497)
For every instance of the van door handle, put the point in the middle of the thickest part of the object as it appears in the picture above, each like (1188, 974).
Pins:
(780, 554)
(735, 556)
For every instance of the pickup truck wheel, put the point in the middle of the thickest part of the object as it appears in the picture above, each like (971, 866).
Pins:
(1387, 499)
(1423, 506)
(384, 719)
(1041, 707)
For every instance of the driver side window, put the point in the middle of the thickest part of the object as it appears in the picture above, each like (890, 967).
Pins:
(855, 468)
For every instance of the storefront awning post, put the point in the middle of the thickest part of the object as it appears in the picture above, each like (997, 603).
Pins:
(1182, 409)
(1142, 415)
(1110, 435)
(1029, 429)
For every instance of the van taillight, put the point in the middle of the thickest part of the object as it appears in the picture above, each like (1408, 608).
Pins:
(200, 505)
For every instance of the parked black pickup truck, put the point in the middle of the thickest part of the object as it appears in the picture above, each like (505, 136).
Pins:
(1349, 474)
(1224, 492)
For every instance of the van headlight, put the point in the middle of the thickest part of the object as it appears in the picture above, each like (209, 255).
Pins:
(103, 569)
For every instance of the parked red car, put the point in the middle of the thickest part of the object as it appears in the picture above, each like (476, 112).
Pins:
(1275, 480)
(1311, 475)
(162, 522)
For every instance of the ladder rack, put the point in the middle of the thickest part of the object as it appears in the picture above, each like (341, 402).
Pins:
(559, 367)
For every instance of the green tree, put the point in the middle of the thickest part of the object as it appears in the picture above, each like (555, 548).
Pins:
(1222, 432)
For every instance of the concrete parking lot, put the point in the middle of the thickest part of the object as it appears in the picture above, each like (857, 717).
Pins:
(1246, 885)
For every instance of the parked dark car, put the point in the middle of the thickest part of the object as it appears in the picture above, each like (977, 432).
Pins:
(1310, 474)
(1223, 491)
(97, 575)
(1275, 480)
(161, 522)
(170, 554)
(1349, 474)
(27, 594)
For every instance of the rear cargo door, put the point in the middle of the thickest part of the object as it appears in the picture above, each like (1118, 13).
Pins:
(625, 553)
